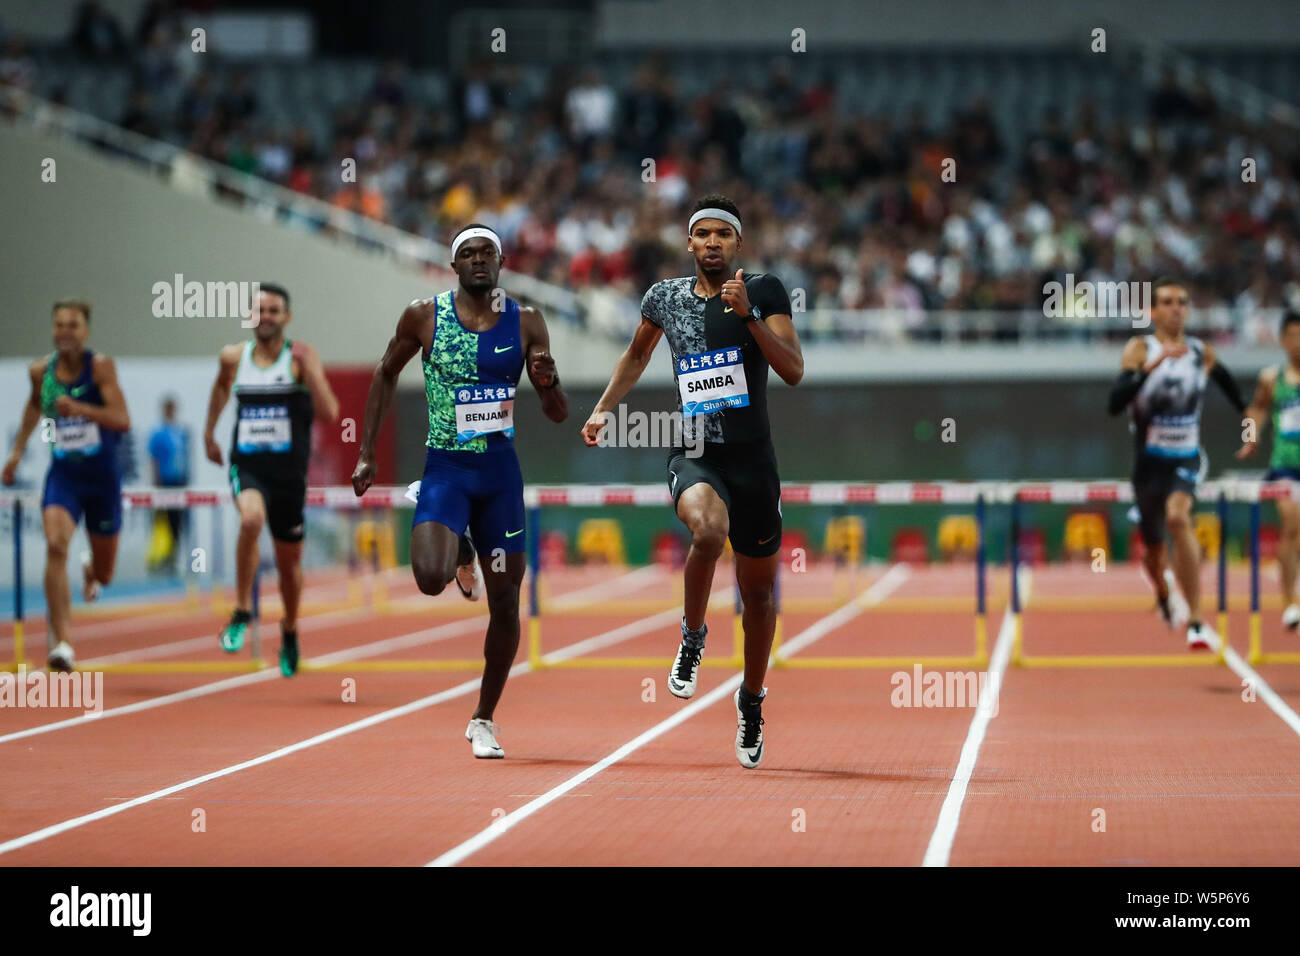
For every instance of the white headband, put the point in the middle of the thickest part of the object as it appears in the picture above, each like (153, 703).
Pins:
(478, 232)
(715, 214)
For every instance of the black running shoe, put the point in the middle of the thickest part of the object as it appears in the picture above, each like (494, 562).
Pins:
(288, 652)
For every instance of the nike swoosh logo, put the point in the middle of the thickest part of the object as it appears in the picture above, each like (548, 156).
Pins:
(727, 309)
(767, 539)
(511, 534)
(500, 350)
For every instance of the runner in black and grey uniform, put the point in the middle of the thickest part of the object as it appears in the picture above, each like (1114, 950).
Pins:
(1162, 381)
(721, 376)
(725, 328)
(279, 387)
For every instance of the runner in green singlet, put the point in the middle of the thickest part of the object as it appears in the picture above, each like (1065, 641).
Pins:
(1277, 397)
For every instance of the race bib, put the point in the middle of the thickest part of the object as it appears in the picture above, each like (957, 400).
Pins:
(483, 409)
(1174, 436)
(1288, 420)
(711, 381)
(75, 436)
(264, 428)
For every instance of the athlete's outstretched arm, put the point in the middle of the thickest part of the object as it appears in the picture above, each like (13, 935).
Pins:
(631, 365)
(1258, 410)
(112, 414)
(541, 366)
(401, 347)
(313, 376)
(1132, 373)
(227, 366)
(31, 418)
(1221, 377)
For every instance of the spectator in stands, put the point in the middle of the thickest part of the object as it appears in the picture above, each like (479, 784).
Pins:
(158, 14)
(238, 102)
(199, 105)
(476, 96)
(139, 116)
(390, 85)
(96, 34)
(590, 109)
(17, 70)
(155, 63)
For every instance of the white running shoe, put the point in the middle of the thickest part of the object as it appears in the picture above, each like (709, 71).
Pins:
(1201, 637)
(482, 736)
(1291, 617)
(1179, 611)
(469, 580)
(89, 586)
(749, 731)
(61, 658)
(685, 672)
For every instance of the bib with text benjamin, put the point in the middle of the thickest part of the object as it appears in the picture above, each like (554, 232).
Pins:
(483, 409)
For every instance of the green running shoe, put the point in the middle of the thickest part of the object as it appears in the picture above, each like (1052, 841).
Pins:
(288, 652)
(233, 634)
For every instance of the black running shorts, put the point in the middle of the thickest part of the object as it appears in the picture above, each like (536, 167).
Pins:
(284, 500)
(744, 476)
(1154, 480)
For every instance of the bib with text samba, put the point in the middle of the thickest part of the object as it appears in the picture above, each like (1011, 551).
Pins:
(483, 409)
(711, 381)
(264, 428)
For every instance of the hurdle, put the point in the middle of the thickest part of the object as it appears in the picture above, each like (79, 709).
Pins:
(1254, 492)
(1105, 492)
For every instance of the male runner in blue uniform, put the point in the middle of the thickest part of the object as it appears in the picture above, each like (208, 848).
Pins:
(77, 389)
(475, 342)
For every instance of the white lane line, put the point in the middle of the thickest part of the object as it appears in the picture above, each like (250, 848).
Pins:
(1269, 696)
(460, 690)
(362, 651)
(877, 592)
(44, 834)
(945, 830)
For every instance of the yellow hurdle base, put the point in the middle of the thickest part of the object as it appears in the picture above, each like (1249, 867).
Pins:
(393, 666)
(596, 663)
(174, 667)
(848, 663)
(1121, 660)
(1277, 657)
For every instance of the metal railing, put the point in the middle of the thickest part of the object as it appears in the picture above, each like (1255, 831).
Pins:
(197, 175)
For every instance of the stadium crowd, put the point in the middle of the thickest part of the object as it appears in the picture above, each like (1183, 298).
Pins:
(588, 184)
